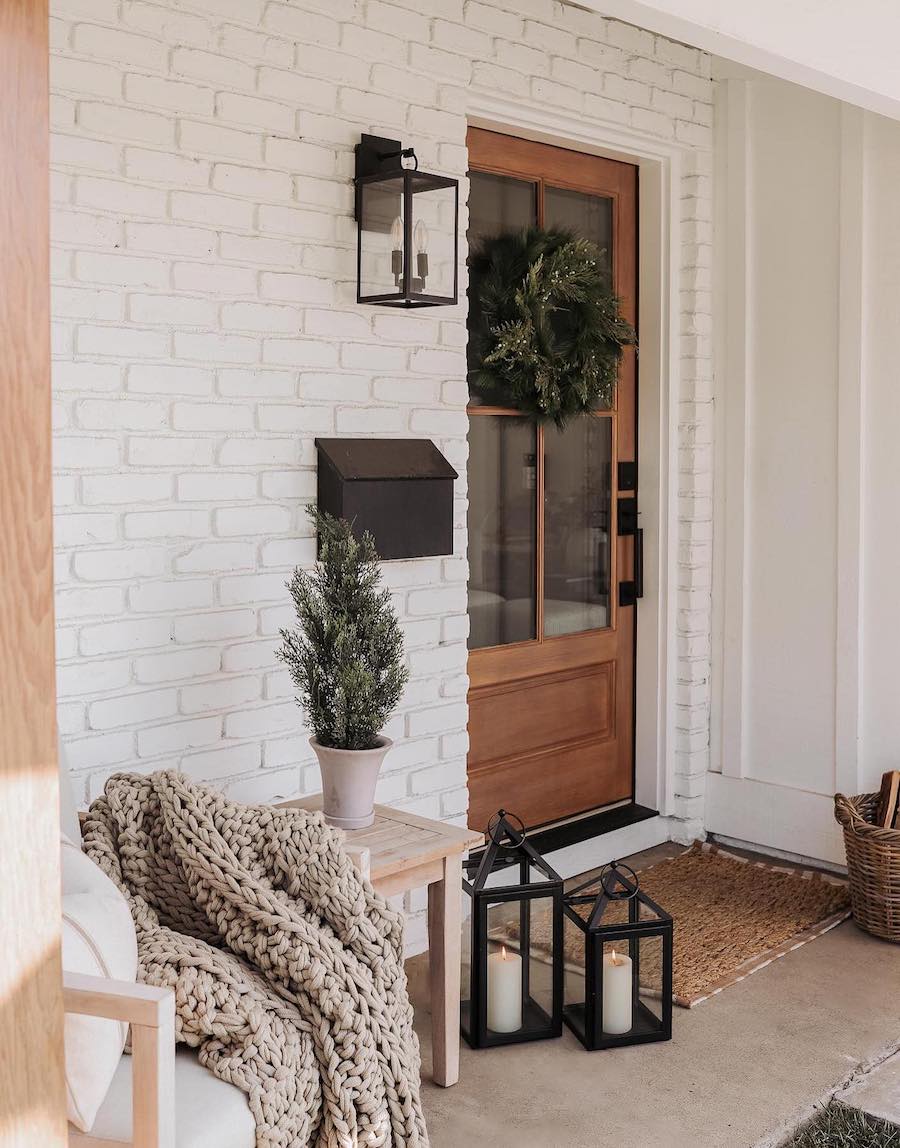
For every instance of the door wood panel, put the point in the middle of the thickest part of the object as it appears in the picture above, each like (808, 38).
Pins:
(551, 720)
(533, 714)
(550, 784)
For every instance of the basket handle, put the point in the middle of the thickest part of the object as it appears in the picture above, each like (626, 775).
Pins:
(844, 812)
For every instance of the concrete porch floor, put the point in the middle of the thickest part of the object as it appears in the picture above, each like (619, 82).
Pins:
(739, 1066)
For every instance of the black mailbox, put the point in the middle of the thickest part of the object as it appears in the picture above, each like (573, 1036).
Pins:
(400, 490)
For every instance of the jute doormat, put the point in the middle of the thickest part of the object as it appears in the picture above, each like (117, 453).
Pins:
(733, 916)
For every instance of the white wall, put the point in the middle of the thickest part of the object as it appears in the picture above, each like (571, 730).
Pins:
(206, 330)
(806, 462)
(791, 524)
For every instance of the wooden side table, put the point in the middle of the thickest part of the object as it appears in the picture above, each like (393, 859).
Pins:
(406, 852)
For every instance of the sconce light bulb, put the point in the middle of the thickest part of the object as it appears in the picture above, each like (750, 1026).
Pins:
(397, 233)
(420, 237)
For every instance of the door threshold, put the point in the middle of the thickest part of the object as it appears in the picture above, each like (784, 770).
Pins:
(560, 835)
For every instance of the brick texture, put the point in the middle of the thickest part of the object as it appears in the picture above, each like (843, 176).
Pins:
(206, 330)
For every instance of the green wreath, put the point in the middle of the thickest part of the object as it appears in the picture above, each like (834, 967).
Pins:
(546, 335)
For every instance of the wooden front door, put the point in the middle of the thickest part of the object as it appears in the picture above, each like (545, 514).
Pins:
(551, 649)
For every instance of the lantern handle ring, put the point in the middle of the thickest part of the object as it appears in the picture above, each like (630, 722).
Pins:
(402, 154)
(516, 835)
(618, 894)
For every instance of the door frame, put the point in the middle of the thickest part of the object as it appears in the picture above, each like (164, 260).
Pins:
(594, 755)
(659, 270)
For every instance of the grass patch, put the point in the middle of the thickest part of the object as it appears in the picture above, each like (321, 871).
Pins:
(838, 1126)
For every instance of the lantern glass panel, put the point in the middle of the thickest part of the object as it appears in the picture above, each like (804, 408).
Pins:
(465, 963)
(381, 231)
(519, 969)
(511, 988)
(433, 238)
(575, 981)
(649, 980)
(631, 974)
(625, 950)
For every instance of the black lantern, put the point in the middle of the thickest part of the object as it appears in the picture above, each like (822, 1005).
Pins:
(618, 947)
(408, 227)
(512, 969)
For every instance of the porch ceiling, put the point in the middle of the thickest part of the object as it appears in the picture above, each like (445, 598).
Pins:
(848, 53)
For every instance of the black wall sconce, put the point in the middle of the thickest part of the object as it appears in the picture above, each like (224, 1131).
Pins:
(408, 221)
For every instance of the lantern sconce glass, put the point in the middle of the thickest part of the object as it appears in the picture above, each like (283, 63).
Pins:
(408, 224)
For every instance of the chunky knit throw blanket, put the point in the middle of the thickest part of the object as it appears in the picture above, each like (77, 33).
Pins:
(287, 967)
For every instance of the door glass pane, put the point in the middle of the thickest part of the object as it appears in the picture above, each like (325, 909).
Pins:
(502, 506)
(589, 216)
(497, 203)
(577, 541)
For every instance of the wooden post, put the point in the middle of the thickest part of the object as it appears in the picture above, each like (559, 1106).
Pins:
(32, 1090)
(153, 1121)
(444, 945)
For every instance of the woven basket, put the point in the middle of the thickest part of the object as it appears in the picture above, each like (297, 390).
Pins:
(873, 863)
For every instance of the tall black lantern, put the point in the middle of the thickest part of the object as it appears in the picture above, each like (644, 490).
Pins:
(513, 967)
(408, 228)
(618, 962)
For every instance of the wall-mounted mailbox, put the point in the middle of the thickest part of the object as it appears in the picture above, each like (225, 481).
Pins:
(400, 490)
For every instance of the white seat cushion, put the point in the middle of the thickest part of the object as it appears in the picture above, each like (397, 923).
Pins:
(208, 1112)
(98, 939)
(68, 808)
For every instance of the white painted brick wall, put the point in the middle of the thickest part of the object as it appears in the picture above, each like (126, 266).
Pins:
(206, 330)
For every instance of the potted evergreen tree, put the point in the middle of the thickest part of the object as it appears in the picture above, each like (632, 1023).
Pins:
(345, 656)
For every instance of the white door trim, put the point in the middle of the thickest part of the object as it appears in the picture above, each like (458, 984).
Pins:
(850, 449)
(733, 412)
(659, 269)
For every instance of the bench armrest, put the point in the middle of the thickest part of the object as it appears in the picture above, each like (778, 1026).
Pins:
(151, 1013)
(118, 1000)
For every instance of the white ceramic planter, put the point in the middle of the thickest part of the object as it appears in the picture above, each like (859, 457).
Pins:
(349, 777)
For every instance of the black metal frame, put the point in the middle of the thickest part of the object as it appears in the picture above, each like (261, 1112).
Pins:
(537, 1023)
(378, 159)
(586, 1021)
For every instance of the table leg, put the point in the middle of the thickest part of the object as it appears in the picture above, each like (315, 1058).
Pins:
(444, 944)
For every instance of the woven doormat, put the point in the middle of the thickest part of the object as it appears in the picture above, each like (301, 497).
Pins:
(733, 916)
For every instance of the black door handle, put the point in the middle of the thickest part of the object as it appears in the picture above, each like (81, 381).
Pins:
(629, 592)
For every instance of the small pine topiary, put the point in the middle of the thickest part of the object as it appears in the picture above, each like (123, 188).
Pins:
(345, 655)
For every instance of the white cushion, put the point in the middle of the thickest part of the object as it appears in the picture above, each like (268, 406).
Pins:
(209, 1113)
(68, 807)
(98, 939)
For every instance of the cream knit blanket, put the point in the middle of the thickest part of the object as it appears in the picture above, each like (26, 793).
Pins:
(287, 966)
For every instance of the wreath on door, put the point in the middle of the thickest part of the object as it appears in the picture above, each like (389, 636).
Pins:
(546, 332)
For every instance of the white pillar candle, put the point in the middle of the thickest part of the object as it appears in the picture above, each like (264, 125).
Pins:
(504, 991)
(617, 994)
